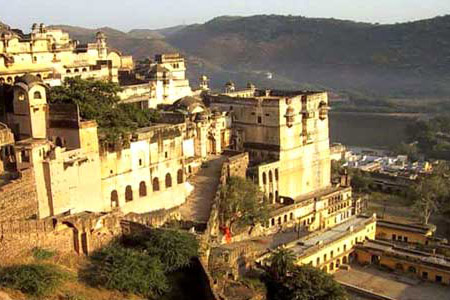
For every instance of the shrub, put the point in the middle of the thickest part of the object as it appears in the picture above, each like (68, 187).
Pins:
(33, 279)
(126, 270)
(174, 248)
(42, 254)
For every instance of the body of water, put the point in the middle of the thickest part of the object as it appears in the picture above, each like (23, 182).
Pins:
(381, 131)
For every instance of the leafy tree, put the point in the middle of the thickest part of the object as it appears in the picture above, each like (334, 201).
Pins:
(127, 270)
(98, 100)
(429, 193)
(281, 262)
(360, 182)
(305, 283)
(242, 204)
(33, 279)
(174, 248)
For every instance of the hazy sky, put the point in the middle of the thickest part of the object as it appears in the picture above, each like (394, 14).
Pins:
(128, 14)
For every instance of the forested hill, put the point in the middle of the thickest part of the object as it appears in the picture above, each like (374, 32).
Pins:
(407, 60)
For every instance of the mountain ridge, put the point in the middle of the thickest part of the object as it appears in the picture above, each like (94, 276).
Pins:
(360, 59)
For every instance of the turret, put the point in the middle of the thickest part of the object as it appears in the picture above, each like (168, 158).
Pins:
(230, 87)
(204, 82)
(101, 45)
(30, 107)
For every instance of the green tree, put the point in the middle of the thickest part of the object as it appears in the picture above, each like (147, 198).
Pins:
(281, 262)
(360, 181)
(242, 204)
(305, 283)
(98, 100)
(127, 270)
(429, 193)
(174, 248)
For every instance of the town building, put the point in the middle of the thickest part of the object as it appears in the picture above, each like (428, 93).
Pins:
(75, 172)
(287, 137)
(427, 266)
(51, 55)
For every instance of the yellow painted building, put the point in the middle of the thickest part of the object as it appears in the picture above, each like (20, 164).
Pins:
(406, 233)
(330, 248)
(424, 265)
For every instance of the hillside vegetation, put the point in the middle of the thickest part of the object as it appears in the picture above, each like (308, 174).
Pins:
(361, 60)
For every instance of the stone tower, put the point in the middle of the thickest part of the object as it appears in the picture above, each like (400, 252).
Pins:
(30, 108)
(101, 45)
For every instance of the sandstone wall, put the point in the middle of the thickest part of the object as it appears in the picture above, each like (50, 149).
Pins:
(18, 238)
(18, 199)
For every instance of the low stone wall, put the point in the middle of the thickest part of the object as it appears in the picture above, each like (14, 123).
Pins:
(363, 292)
(17, 238)
(235, 165)
(18, 198)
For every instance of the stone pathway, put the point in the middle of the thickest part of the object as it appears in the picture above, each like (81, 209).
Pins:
(198, 204)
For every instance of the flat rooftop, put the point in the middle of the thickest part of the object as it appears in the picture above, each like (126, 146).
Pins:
(390, 249)
(304, 245)
(393, 285)
(423, 229)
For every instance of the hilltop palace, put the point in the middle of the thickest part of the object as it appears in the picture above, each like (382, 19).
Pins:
(52, 163)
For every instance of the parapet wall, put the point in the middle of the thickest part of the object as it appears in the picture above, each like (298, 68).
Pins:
(235, 165)
(17, 238)
(18, 198)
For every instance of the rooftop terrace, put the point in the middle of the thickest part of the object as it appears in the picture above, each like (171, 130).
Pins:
(322, 238)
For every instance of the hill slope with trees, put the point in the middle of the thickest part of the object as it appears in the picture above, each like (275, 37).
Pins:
(361, 60)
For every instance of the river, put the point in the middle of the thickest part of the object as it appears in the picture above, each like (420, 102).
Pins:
(380, 131)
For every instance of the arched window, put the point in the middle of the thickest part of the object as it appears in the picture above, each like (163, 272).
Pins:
(276, 174)
(68, 71)
(155, 184)
(84, 70)
(264, 178)
(271, 197)
(142, 189)
(39, 76)
(180, 176)
(168, 180)
(114, 199)
(128, 193)
(76, 70)
(270, 177)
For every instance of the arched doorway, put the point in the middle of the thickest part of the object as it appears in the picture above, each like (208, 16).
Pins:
(155, 184)
(344, 260)
(180, 176)
(114, 199)
(375, 259)
(168, 180)
(142, 189)
(128, 193)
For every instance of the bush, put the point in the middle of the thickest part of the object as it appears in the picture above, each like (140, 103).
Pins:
(42, 254)
(33, 279)
(304, 283)
(174, 248)
(126, 270)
